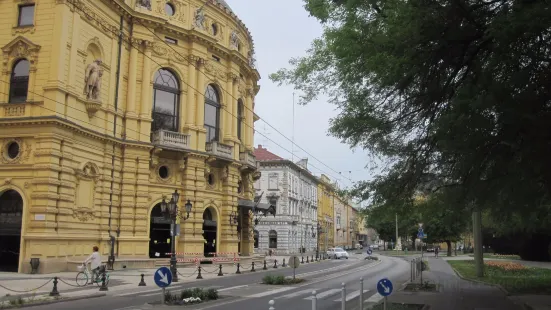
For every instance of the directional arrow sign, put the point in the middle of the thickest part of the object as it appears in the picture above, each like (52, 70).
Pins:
(384, 287)
(369, 251)
(163, 277)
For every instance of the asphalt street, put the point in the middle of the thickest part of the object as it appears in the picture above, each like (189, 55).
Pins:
(246, 292)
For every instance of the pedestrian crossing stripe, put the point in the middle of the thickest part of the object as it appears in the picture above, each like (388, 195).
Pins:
(351, 296)
(325, 294)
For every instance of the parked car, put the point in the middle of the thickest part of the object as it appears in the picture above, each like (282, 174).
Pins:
(340, 253)
(374, 246)
(331, 252)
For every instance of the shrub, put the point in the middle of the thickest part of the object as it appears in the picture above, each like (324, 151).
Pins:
(268, 279)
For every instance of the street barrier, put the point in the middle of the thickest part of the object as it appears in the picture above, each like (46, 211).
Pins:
(265, 268)
(142, 282)
(54, 291)
(271, 303)
(283, 263)
(275, 263)
(220, 272)
(252, 269)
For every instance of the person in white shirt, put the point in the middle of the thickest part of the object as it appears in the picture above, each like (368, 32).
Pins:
(95, 263)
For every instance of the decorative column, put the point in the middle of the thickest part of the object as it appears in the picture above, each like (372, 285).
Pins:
(71, 79)
(229, 119)
(191, 102)
(146, 101)
(235, 93)
(200, 108)
(131, 119)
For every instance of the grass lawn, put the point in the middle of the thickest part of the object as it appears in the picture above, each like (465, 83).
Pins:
(398, 253)
(513, 277)
(499, 256)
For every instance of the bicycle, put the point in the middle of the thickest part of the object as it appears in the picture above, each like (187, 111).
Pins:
(84, 276)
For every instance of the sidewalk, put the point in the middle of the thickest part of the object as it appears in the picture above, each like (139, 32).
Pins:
(454, 293)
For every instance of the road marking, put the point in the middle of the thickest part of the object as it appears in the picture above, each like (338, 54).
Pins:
(136, 293)
(325, 294)
(295, 294)
(231, 288)
(375, 298)
(267, 293)
(351, 296)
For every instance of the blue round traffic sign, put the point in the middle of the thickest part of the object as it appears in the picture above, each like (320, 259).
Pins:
(369, 251)
(384, 287)
(163, 277)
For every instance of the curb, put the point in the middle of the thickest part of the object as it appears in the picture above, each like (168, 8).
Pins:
(480, 282)
(55, 301)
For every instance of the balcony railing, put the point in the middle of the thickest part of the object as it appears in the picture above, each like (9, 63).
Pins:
(171, 139)
(219, 149)
(248, 159)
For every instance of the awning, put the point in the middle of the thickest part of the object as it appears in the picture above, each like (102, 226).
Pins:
(261, 207)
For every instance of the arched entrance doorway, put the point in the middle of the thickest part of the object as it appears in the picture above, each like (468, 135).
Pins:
(11, 219)
(209, 232)
(159, 234)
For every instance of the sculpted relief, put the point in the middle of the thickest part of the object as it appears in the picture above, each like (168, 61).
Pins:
(199, 20)
(92, 81)
(234, 40)
(145, 3)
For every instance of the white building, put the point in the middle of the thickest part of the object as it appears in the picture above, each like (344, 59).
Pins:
(294, 191)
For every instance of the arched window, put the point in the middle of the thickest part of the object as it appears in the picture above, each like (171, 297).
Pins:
(19, 81)
(240, 115)
(212, 113)
(166, 98)
(273, 239)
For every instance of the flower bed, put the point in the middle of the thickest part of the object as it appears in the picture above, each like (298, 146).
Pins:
(191, 296)
(280, 280)
(505, 265)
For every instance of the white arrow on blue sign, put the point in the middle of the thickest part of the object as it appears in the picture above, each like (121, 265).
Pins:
(384, 287)
(163, 277)
(369, 251)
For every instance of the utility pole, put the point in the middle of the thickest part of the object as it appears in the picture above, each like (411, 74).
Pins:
(396, 230)
(477, 232)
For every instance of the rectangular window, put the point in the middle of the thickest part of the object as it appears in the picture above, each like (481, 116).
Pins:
(171, 40)
(26, 15)
(216, 58)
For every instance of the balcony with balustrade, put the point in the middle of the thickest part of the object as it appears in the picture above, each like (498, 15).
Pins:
(248, 160)
(219, 150)
(171, 140)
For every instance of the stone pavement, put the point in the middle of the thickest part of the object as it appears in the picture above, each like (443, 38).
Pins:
(15, 284)
(455, 293)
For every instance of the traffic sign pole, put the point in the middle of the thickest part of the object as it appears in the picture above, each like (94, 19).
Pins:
(384, 303)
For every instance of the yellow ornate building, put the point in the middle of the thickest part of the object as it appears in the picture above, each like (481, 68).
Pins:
(326, 212)
(107, 106)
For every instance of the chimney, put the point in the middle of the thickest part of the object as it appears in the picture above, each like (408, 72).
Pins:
(260, 147)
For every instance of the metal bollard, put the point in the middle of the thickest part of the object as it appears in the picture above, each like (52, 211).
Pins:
(275, 263)
(343, 297)
(142, 282)
(252, 269)
(54, 291)
(220, 271)
(361, 293)
(284, 264)
(199, 276)
(307, 259)
(314, 301)
(271, 303)
(265, 268)
(103, 287)
(238, 271)
(302, 260)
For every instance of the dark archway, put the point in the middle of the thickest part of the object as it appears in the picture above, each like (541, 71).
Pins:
(209, 233)
(11, 220)
(159, 234)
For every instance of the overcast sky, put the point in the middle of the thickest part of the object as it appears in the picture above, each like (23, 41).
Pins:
(281, 30)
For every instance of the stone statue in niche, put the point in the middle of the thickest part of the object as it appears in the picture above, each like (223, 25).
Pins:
(234, 40)
(252, 59)
(92, 80)
(145, 3)
(199, 20)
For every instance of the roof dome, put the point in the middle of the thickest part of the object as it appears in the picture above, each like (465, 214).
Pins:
(224, 3)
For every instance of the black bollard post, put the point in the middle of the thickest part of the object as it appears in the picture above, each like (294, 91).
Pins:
(252, 269)
(312, 258)
(284, 264)
(238, 271)
(54, 291)
(199, 276)
(307, 259)
(275, 263)
(103, 287)
(220, 271)
(302, 260)
(265, 268)
(142, 282)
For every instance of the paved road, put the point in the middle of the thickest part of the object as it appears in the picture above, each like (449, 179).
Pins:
(141, 295)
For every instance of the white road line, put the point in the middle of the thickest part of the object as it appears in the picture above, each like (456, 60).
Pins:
(296, 294)
(267, 293)
(137, 293)
(352, 295)
(375, 298)
(325, 294)
(232, 288)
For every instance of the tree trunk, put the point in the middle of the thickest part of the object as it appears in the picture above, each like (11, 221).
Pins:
(384, 245)
(449, 244)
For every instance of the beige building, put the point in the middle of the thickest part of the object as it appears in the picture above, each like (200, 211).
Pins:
(107, 107)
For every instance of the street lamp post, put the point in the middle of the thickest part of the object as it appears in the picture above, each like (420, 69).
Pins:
(318, 228)
(170, 210)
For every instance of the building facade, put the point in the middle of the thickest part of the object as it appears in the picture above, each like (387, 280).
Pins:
(293, 190)
(107, 106)
(326, 214)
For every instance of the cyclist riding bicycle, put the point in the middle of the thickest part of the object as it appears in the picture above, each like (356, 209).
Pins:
(95, 263)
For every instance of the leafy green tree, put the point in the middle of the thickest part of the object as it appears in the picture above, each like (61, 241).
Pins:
(454, 89)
